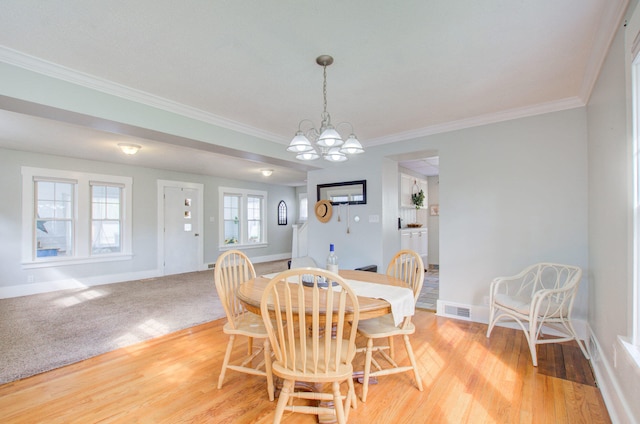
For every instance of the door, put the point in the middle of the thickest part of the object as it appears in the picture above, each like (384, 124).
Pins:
(182, 238)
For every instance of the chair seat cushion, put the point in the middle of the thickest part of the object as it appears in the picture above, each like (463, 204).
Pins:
(522, 305)
(383, 326)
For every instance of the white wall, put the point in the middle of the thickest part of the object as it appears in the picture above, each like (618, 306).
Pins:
(610, 231)
(363, 245)
(144, 262)
(511, 194)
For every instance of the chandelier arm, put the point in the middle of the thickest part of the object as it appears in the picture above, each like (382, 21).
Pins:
(306, 120)
(327, 141)
(345, 123)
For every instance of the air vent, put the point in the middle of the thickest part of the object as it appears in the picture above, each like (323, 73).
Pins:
(457, 311)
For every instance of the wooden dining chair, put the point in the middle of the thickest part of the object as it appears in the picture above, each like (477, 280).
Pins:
(232, 269)
(406, 265)
(312, 339)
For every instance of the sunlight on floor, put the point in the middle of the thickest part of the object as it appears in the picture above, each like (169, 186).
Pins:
(478, 372)
(150, 328)
(77, 298)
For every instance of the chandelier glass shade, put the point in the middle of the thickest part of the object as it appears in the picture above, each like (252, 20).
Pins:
(327, 141)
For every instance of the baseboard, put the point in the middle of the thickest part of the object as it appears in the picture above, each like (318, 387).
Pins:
(270, 258)
(480, 314)
(74, 283)
(614, 396)
(257, 259)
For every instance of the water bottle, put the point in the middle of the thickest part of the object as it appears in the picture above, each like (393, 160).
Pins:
(332, 260)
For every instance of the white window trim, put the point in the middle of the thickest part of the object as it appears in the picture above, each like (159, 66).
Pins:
(222, 191)
(631, 345)
(303, 218)
(82, 217)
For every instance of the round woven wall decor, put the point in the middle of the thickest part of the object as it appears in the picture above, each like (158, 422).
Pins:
(323, 210)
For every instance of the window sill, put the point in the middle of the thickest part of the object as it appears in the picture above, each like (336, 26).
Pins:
(632, 352)
(50, 263)
(242, 246)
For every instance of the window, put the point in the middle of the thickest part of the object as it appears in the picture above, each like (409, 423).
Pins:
(106, 223)
(303, 212)
(231, 219)
(282, 213)
(243, 217)
(54, 221)
(73, 217)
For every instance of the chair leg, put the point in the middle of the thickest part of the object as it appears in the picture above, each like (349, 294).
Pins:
(414, 364)
(250, 346)
(337, 402)
(367, 369)
(225, 363)
(283, 400)
(352, 389)
(391, 348)
(491, 322)
(267, 365)
(580, 343)
(531, 337)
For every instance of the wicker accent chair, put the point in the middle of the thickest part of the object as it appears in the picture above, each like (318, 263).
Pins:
(542, 295)
(313, 340)
(232, 269)
(406, 265)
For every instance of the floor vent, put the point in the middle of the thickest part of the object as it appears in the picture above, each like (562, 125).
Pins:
(457, 311)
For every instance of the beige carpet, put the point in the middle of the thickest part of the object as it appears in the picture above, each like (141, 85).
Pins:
(46, 331)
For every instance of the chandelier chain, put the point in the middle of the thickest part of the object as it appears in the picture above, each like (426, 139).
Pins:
(324, 88)
(329, 144)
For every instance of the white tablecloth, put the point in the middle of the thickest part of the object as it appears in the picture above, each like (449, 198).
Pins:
(400, 298)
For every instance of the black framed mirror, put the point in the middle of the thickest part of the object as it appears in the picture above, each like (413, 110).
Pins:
(348, 192)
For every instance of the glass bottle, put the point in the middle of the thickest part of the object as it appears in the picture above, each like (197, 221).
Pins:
(332, 260)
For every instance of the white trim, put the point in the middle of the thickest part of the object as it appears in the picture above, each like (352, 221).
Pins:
(613, 395)
(74, 283)
(490, 118)
(31, 63)
(243, 193)
(480, 314)
(82, 216)
(160, 225)
(605, 34)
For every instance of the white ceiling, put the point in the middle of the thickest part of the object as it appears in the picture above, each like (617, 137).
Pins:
(401, 70)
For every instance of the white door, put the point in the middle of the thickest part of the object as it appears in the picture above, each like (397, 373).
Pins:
(181, 230)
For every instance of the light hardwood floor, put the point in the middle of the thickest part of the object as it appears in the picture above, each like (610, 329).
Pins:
(172, 379)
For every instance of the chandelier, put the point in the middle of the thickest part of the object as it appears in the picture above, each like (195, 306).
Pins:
(328, 142)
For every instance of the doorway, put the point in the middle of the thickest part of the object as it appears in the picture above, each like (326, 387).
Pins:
(428, 168)
(180, 225)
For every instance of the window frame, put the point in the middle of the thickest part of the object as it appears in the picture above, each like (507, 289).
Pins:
(107, 218)
(303, 208)
(243, 240)
(81, 217)
(635, 84)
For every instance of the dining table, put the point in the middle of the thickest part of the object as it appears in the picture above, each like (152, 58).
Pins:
(250, 292)
(370, 287)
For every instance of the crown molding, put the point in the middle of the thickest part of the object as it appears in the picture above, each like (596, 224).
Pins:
(491, 118)
(50, 69)
(605, 34)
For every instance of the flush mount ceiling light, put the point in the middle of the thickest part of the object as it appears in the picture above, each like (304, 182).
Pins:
(328, 142)
(266, 172)
(129, 149)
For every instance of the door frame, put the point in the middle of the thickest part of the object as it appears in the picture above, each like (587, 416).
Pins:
(162, 184)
